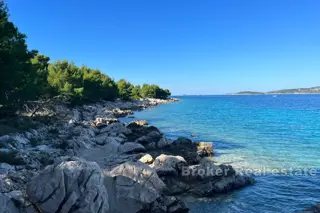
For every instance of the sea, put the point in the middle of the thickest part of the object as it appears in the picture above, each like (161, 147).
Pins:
(274, 138)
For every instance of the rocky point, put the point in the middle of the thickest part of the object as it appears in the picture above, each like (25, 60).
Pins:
(88, 161)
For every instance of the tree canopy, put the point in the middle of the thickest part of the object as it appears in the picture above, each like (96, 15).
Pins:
(125, 89)
(27, 75)
(16, 71)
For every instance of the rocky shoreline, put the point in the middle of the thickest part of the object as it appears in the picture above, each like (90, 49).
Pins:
(88, 161)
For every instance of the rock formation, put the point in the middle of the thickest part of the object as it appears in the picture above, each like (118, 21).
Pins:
(88, 161)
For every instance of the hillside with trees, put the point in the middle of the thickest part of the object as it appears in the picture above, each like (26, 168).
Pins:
(309, 90)
(27, 75)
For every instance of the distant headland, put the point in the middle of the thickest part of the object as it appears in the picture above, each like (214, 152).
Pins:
(310, 90)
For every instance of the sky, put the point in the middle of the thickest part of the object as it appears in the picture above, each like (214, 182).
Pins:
(187, 46)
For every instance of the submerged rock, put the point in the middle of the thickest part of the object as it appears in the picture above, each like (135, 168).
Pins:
(166, 204)
(313, 209)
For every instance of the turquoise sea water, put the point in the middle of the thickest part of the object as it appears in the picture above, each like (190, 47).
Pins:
(256, 132)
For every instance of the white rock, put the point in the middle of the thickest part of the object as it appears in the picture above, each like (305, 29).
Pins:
(147, 159)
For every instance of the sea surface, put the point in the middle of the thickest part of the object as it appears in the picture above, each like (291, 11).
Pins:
(267, 133)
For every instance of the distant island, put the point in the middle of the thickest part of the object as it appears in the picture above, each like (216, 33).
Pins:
(248, 93)
(310, 90)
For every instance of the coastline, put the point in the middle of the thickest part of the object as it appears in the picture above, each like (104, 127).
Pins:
(91, 140)
(277, 94)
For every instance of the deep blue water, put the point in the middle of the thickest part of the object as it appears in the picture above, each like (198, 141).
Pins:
(255, 132)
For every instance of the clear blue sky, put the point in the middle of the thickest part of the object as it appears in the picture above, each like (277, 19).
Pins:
(190, 47)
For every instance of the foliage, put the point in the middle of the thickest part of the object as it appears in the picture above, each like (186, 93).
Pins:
(81, 84)
(125, 89)
(154, 91)
(27, 75)
(40, 65)
(136, 92)
(16, 70)
(98, 86)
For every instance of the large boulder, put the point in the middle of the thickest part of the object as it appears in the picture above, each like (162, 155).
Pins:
(138, 131)
(150, 140)
(166, 165)
(72, 186)
(182, 147)
(133, 185)
(103, 139)
(164, 142)
(131, 148)
(205, 180)
(115, 128)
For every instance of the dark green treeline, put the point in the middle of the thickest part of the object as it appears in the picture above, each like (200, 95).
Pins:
(27, 75)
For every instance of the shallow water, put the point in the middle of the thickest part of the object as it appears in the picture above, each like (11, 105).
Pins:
(255, 132)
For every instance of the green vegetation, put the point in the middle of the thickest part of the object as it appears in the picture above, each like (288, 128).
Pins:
(16, 70)
(310, 90)
(154, 91)
(27, 75)
(249, 93)
(136, 92)
(125, 89)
